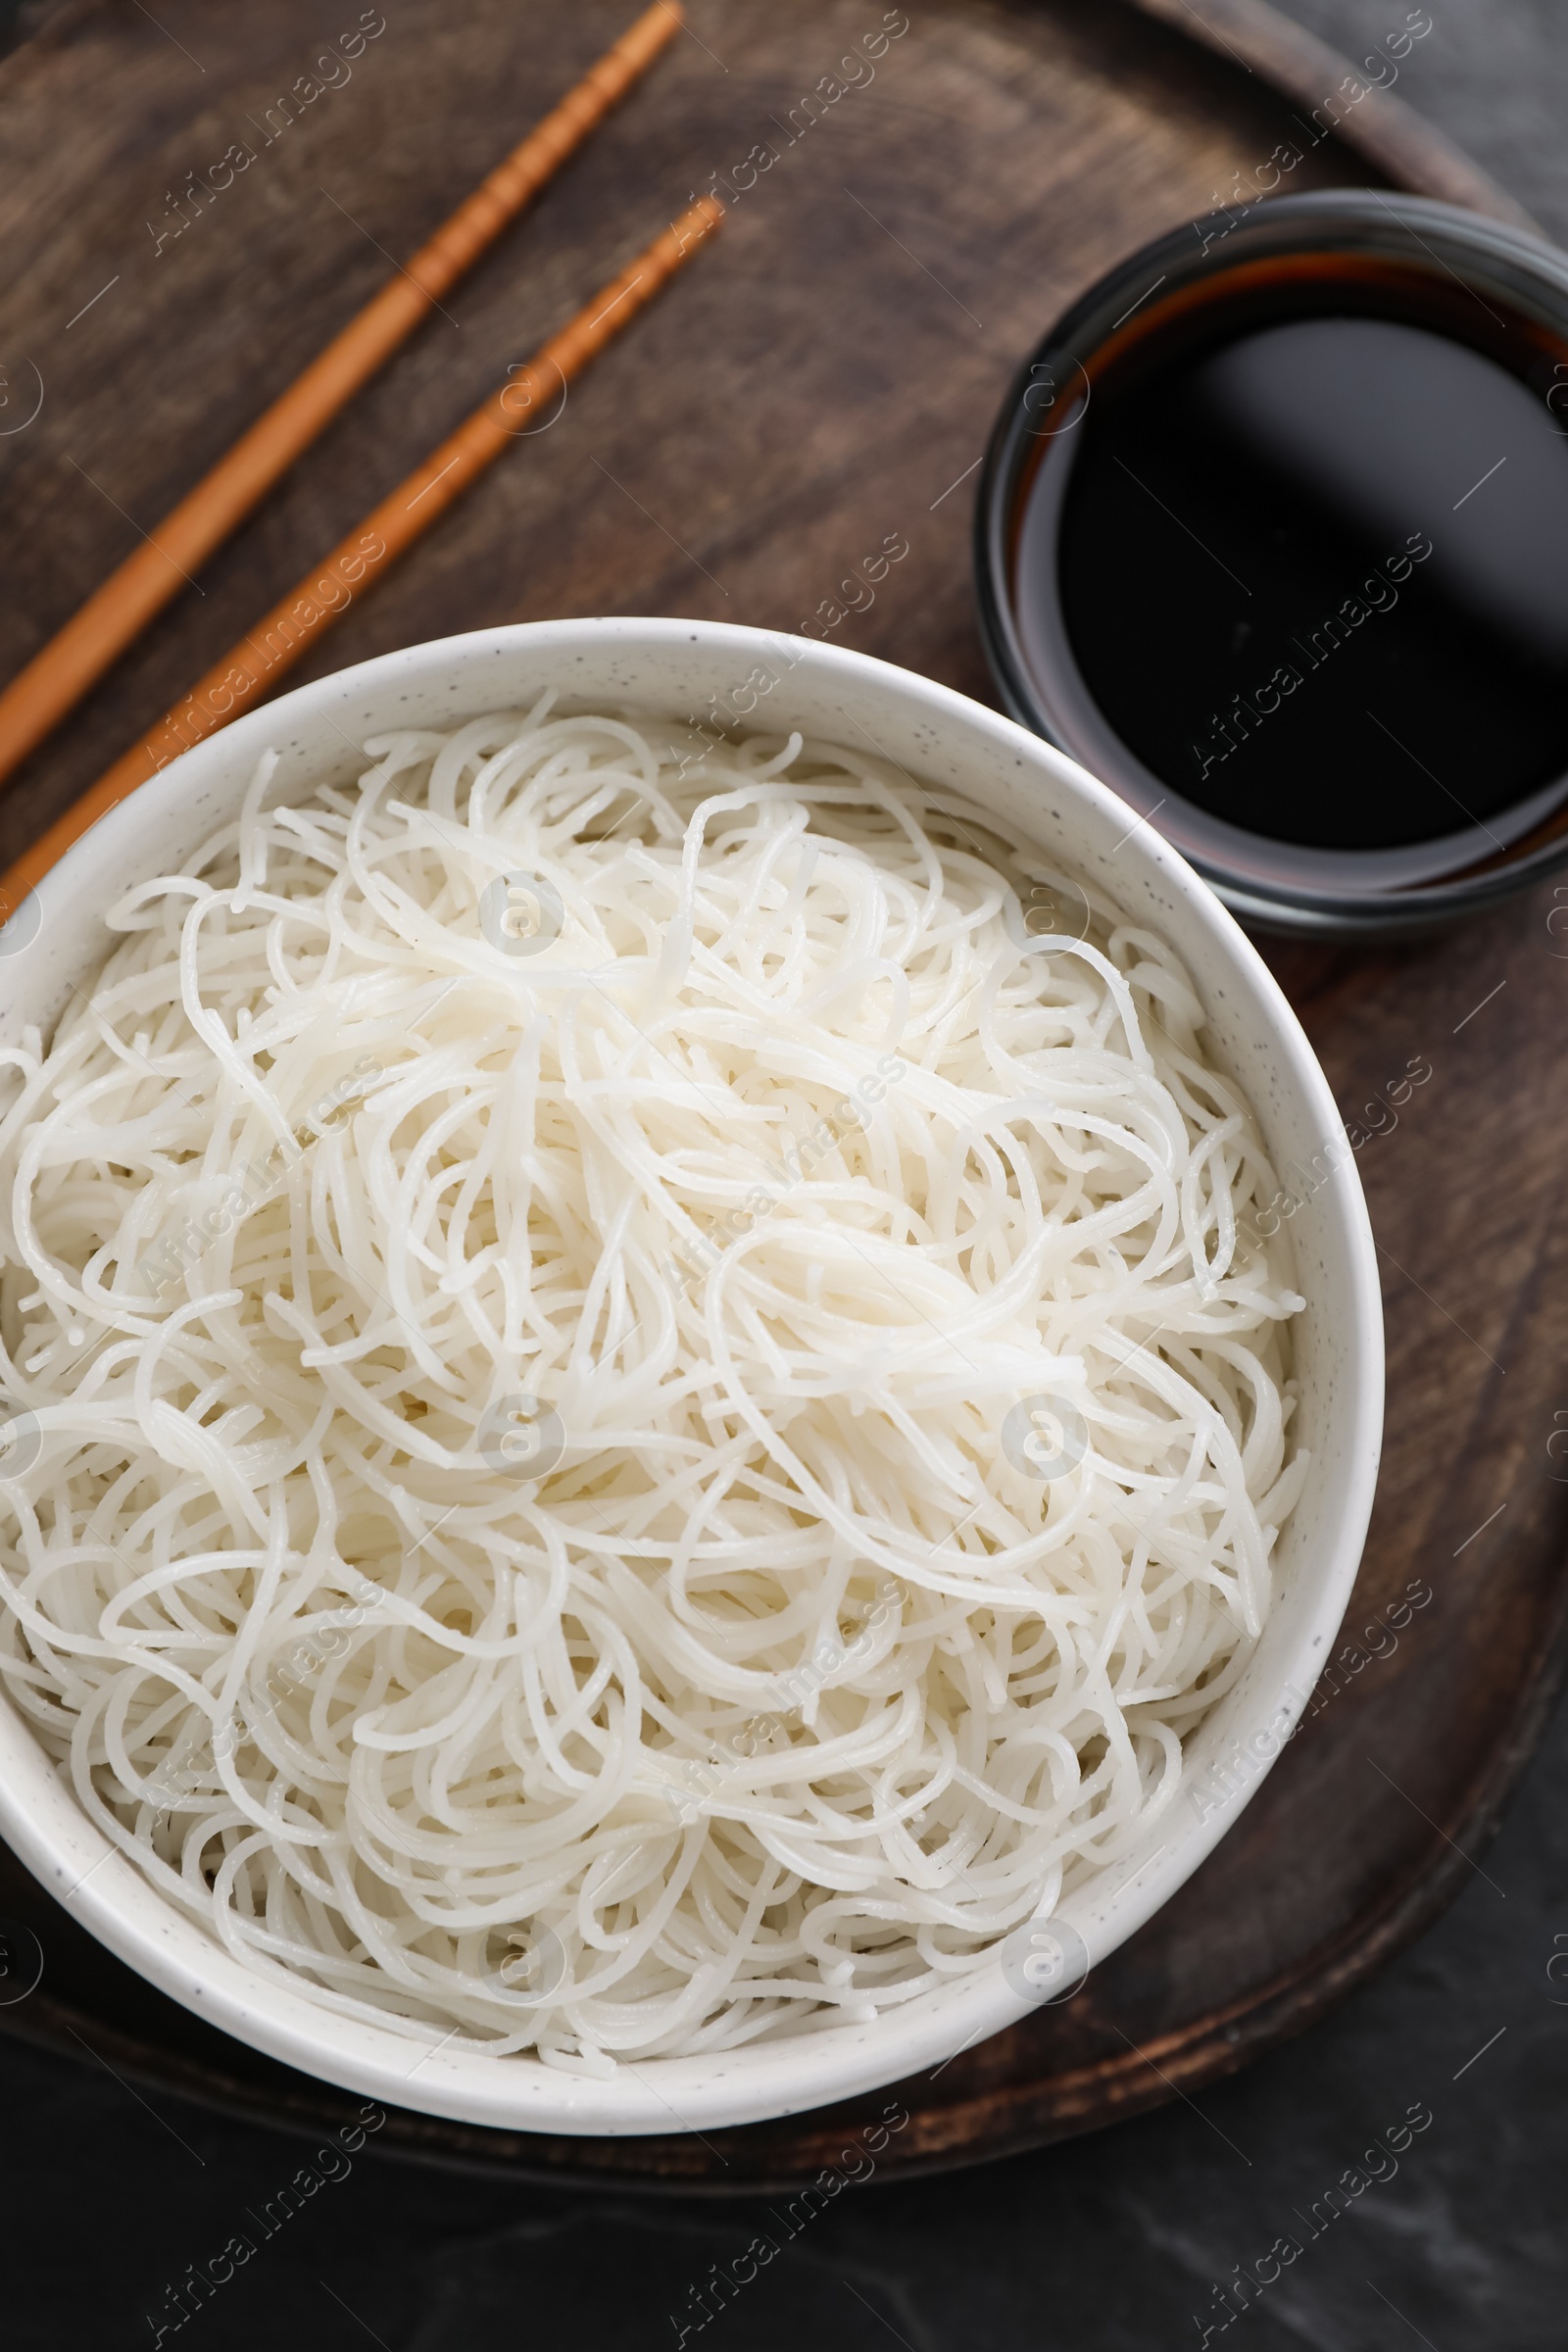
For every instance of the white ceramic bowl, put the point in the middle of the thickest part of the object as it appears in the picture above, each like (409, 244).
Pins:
(667, 669)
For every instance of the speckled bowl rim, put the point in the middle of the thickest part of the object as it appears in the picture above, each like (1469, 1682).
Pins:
(765, 679)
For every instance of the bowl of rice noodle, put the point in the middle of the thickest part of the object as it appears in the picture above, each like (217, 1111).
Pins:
(690, 1376)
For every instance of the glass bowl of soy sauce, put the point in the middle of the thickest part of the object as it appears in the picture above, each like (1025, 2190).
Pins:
(1272, 535)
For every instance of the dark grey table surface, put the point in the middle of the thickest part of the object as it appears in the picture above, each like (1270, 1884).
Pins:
(1115, 2243)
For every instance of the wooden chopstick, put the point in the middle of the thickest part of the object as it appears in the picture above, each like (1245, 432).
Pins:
(250, 668)
(60, 674)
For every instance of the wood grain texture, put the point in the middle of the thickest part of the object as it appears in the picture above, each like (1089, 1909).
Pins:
(824, 377)
(161, 564)
(1390, 134)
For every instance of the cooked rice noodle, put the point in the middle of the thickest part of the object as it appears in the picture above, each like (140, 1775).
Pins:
(757, 1674)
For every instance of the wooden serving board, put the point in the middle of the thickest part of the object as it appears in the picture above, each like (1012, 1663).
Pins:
(820, 381)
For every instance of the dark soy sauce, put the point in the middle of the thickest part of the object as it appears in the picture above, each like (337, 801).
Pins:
(1310, 547)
